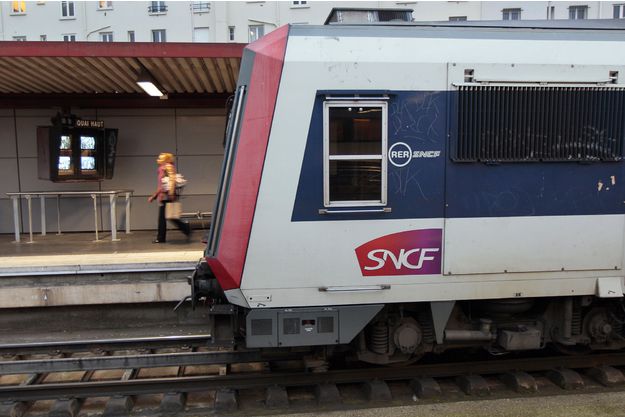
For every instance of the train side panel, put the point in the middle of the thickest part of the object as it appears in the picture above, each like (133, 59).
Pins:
(450, 231)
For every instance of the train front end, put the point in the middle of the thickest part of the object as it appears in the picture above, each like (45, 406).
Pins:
(245, 144)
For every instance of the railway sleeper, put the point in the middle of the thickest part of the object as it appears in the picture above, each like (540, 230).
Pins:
(566, 379)
(66, 407)
(173, 402)
(226, 401)
(119, 406)
(607, 376)
(519, 381)
(14, 408)
(327, 394)
(426, 388)
(374, 391)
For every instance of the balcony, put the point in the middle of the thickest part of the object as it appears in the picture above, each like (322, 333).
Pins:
(157, 9)
(200, 7)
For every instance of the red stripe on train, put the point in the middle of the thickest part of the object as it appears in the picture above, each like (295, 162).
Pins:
(227, 265)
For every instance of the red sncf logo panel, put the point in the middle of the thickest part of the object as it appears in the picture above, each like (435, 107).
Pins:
(415, 252)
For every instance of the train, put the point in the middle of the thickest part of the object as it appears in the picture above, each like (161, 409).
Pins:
(396, 189)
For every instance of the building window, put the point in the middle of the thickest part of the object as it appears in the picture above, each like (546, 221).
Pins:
(157, 7)
(299, 4)
(18, 7)
(256, 32)
(201, 35)
(551, 12)
(131, 36)
(69, 38)
(106, 36)
(43, 37)
(619, 11)
(578, 12)
(457, 18)
(158, 35)
(231, 33)
(200, 7)
(354, 144)
(511, 14)
(105, 5)
(19, 38)
(67, 9)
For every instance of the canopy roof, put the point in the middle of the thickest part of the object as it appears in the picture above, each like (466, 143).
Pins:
(89, 69)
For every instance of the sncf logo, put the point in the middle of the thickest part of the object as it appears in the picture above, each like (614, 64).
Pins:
(415, 252)
(402, 260)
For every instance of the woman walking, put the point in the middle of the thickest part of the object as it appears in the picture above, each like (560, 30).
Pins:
(166, 194)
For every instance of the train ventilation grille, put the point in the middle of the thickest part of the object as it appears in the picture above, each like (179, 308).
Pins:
(539, 123)
(326, 324)
(261, 327)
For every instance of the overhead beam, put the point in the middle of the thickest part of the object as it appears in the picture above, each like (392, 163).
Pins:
(121, 49)
(116, 101)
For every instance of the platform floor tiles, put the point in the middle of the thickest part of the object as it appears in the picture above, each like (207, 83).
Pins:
(70, 249)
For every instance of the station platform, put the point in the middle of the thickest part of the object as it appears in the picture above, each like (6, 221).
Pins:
(72, 269)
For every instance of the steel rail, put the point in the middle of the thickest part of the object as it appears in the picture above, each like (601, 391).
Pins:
(256, 380)
(105, 344)
(153, 360)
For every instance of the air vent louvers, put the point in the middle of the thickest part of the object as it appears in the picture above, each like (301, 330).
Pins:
(539, 123)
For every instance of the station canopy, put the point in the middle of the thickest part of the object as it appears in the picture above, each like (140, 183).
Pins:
(102, 74)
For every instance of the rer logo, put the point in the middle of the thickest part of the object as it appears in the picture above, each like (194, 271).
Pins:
(415, 252)
(400, 154)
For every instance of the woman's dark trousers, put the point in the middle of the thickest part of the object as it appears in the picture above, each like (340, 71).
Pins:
(162, 225)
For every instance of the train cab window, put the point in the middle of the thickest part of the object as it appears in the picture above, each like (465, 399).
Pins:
(355, 137)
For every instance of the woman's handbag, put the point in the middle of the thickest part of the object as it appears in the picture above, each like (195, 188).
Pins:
(173, 210)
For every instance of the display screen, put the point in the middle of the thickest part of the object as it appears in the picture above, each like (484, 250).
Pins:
(87, 142)
(64, 163)
(87, 162)
(66, 142)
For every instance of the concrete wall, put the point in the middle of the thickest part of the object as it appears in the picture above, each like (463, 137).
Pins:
(194, 135)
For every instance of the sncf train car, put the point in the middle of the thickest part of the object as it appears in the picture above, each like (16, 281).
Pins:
(402, 189)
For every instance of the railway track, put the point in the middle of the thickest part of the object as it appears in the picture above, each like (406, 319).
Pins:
(227, 379)
(74, 346)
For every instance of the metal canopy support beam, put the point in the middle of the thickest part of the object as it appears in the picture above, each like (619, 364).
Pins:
(16, 217)
(127, 213)
(122, 100)
(120, 49)
(113, 213)
(95, 215)
(30, 218)
(441, 311)
(58, 214)
(42, 209)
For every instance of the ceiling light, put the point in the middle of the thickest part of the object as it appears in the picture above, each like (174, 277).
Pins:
(150, 88)
(148, 84)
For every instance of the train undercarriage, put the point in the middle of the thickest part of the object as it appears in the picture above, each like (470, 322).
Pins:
(403, 333)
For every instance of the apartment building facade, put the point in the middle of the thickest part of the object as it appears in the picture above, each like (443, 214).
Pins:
(245, 21)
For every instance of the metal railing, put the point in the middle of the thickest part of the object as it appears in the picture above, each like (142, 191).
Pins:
(200, 6)
(15, 197)
(161, 8)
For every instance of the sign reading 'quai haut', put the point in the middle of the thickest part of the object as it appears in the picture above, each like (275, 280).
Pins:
(89, 123)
